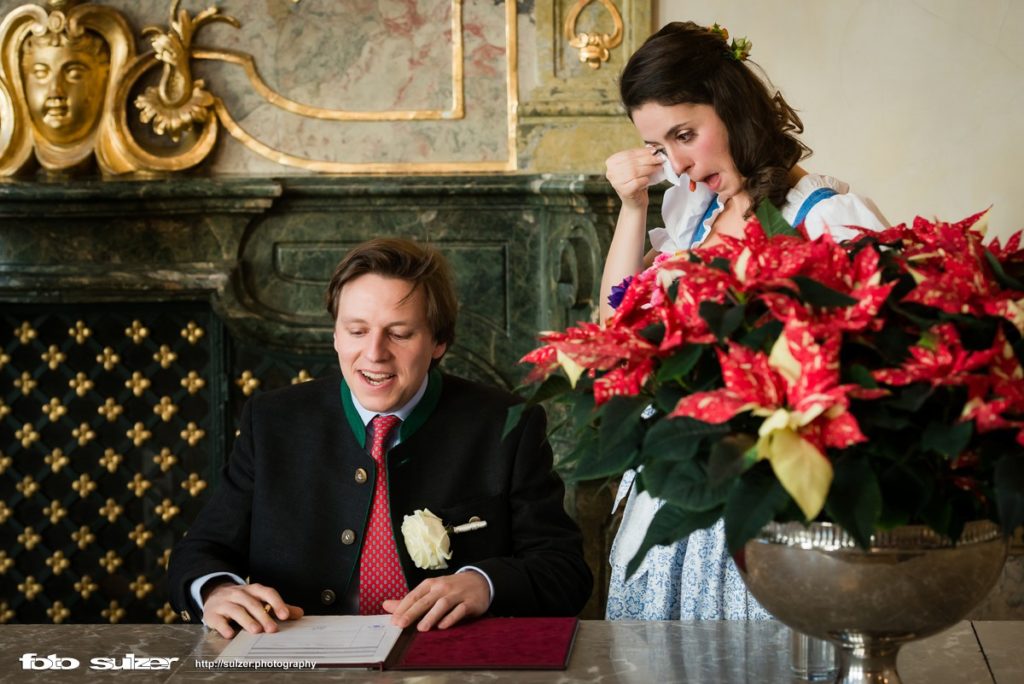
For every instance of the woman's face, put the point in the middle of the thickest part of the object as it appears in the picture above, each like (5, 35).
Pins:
(696, 142)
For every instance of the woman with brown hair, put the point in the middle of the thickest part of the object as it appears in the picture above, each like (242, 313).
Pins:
(727, 142)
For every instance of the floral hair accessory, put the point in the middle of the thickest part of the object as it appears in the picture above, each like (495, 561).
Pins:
(739, 48)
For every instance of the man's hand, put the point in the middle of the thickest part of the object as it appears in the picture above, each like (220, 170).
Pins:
(442, 601)
(246, 604)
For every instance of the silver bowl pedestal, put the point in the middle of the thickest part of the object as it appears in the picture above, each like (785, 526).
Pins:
(911, 583)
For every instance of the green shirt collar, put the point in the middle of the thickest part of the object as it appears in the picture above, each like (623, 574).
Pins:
(416, 419)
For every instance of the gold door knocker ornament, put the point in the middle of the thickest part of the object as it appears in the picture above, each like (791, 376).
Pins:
(595, 48)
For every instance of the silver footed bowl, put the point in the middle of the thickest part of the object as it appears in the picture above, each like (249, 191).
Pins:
(909, 584)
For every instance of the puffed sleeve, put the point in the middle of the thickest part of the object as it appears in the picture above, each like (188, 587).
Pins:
(838, 214)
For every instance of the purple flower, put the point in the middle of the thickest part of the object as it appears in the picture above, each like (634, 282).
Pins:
(618, 292)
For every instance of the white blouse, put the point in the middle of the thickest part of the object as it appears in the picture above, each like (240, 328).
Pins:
(683, 210)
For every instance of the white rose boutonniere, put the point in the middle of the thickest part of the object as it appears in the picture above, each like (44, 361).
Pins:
(426, 539)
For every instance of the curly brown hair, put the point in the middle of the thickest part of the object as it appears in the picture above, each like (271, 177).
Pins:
(684, 63)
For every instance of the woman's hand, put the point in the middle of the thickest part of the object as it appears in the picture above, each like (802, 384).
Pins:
(629, 172)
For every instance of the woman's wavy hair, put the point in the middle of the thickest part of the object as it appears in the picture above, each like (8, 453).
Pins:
(684, 63)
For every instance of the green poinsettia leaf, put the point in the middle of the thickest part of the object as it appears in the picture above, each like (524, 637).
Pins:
(753, 502)
(855, 499)
(721, 264)
(683, 483)
(730, 457)
(584, 445)
(583, 409)
(893, 342)
(937, 514)
(862, 376)
(912, 397)
(1004, 278)
(771, 220)
(722, 319)
(904, 493)
(512, 417)
(671, 524)
(678, 365)
(821, 296)
(948, 440)
(653, 333)
(667, 396)
(677, 439)
(553, 386)
(1009, 486)
(763, 337)
(619, 437)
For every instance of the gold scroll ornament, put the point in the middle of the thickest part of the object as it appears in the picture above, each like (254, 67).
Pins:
(67, 75)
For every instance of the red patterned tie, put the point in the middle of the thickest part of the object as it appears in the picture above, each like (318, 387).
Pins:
(380, 571)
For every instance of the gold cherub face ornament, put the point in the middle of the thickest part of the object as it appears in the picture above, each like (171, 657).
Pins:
(65, 79)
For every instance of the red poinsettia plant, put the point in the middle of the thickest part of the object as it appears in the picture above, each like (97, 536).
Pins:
(872, 383)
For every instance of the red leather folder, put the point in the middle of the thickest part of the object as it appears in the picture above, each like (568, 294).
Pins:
(490, 644)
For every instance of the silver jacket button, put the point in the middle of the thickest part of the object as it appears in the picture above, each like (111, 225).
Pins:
(347, 537)
(361, 475)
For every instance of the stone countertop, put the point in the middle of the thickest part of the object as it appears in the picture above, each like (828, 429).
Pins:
(641, 652)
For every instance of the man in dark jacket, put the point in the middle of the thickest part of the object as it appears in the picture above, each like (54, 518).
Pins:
(305, 514)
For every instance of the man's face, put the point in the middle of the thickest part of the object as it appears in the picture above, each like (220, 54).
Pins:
(64, 89)
(384, 342)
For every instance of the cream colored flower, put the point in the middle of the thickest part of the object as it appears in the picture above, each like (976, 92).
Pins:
(426, 540)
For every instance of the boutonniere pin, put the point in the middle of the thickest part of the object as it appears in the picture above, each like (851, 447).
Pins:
(426, 538)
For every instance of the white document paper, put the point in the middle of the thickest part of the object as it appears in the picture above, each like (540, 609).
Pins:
(323, 639)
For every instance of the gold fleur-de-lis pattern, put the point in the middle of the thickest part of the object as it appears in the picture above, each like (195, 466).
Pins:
(108, 358)
(53, 357)
(165, 459)
(25, 332)
(83, 537)
(110, 409)
(114, 613)
(137, 383)
(248, 382)
(141, 586)
(81, 384)
(192, 434)
(164, 356)
(85, 586)
(115, 422)
(136, 332)
(79, 332)
(194, 484)
(54, 410)
(56, 460)
(111, 510)
(58, 612)
(138, 434)
(55, 512)
(192, 382)
(26, 383)
(165, 409)
(165, 613)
